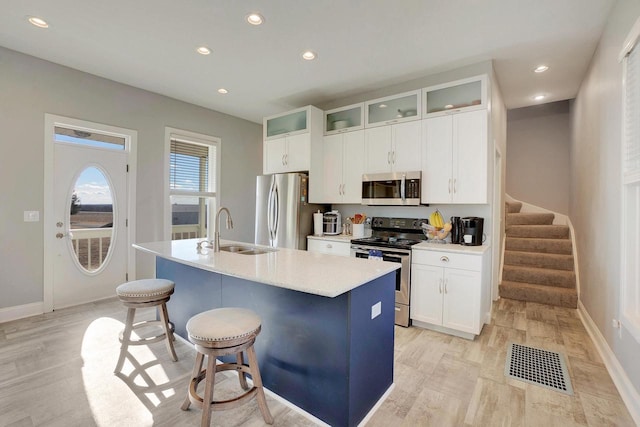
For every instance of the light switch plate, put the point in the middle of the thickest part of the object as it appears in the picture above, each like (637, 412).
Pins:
(31, 216)
(376, 309)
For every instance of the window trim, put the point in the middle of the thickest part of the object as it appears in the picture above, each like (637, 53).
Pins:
(629, 280)
(172, 133)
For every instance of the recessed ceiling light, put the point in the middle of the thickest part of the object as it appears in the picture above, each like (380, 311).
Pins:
(538, 97)
(255, 19)
(222, 90)
(38, 22)
(203, 50)
(541, 69)
(382, 106)
(309, 55)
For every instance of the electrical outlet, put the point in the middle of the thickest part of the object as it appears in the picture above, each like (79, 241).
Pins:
(376, 309)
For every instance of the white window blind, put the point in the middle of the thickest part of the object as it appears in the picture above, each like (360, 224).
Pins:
(191, 166)
(630, 191)
(631, 147)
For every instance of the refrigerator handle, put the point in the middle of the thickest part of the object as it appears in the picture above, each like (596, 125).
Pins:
(270, 212)
(276, 209)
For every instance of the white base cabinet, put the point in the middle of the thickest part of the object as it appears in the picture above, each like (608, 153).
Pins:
(448, 291)
(329, 245)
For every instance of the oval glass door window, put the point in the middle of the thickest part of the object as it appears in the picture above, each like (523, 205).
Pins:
(91, 219)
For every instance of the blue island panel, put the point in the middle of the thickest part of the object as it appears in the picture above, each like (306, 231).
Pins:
(324, 355)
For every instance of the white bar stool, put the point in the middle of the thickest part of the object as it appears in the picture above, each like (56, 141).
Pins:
(139, 294)
(221, 332)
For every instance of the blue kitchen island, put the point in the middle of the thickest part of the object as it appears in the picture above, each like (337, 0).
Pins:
(327, 337)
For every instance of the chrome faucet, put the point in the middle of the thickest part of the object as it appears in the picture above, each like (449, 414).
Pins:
(216, 238)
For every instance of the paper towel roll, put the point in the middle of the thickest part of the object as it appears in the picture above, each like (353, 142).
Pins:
(317, 224)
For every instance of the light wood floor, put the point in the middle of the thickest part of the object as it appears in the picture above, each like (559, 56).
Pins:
(56, 370)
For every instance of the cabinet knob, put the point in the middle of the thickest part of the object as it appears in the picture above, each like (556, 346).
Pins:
(444, 258)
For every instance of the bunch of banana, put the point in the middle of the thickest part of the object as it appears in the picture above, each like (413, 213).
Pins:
(436, 220)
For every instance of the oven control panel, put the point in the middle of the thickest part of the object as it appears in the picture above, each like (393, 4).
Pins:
(398, 223)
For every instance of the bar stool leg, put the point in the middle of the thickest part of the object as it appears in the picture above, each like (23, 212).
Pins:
(257, 382)
(208, 391)
(167, 330)
(241, 375)
(197, 367)
(126, 337)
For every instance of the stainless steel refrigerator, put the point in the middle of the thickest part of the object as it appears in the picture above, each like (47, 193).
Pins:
(284, 218)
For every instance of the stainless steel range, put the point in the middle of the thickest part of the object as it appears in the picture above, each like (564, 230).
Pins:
(391, 239)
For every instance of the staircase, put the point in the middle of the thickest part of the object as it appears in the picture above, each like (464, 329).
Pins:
(538, 260)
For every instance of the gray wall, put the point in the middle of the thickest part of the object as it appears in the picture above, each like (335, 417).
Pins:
(596, 185)
(31, 87)
(538, 141)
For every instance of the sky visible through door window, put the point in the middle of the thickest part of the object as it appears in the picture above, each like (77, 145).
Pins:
(92, 188)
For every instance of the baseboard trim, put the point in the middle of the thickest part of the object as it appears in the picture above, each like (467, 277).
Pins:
(8, 314)
(626, 389)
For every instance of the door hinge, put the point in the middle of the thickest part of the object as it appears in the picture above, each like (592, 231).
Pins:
(127, 168)
(126, 277)
(126, 222)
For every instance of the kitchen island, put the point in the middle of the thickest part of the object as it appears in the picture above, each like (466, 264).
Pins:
(327, 335)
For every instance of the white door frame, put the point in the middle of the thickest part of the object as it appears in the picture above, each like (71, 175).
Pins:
(498, 206)
(131, 136)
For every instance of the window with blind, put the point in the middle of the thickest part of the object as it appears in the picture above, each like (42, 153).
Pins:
(630, 271)
(192, 183)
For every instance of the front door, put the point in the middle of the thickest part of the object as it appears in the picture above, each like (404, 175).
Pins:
(87, 230)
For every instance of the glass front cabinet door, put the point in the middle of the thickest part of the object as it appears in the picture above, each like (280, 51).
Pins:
(398, 108)
(454, 97)
(344, 119)
(290, 123)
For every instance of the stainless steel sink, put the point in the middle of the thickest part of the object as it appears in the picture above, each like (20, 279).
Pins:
(245, 250)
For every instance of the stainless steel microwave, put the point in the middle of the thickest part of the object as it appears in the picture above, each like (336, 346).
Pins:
(391, 189)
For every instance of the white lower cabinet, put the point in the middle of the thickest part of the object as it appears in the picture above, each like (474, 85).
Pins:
(329, 246)
(447, 291)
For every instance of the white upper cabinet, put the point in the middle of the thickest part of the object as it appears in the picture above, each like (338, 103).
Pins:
(455, 158)
(344, 119)
(394, 148)
(343, 167)
(288, 140)
(393, 109)
(454, 97)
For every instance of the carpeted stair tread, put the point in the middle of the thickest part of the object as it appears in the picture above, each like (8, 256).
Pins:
(539, 276)
(538, 231)
(513, 207)
(539, 260)
(561, 297)
(549, 246)
(529, 218)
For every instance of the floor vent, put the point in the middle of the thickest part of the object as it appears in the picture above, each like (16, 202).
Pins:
(536, 366)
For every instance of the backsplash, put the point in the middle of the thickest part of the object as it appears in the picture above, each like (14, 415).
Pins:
(447, 212)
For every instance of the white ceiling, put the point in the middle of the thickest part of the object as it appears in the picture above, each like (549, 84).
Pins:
(361, 45)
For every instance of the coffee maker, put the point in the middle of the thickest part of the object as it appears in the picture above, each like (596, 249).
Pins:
(472, 231)
(456, 230)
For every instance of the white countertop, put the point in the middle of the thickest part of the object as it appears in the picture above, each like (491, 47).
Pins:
(310, 272)
(448, 247)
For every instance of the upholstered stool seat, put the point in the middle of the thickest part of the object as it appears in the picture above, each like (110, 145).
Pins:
(145, 293)
(220, 332)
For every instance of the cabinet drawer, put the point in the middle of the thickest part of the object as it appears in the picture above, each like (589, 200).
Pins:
(329, 247)
(447, 259)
